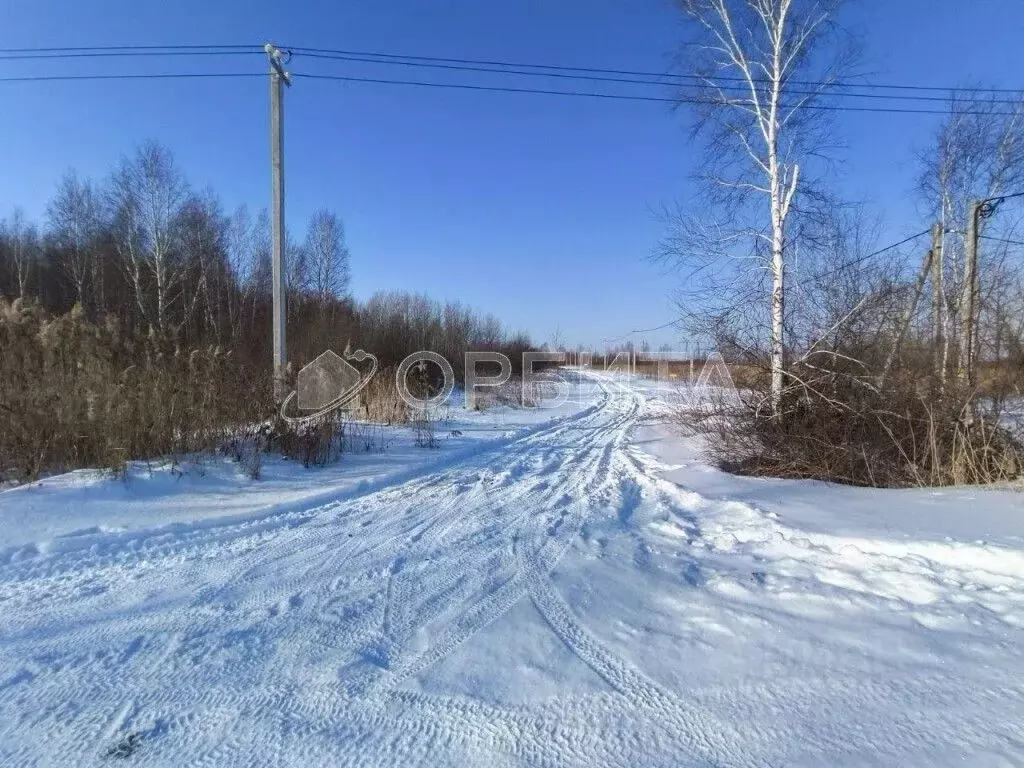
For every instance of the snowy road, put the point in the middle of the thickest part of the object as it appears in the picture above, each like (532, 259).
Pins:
(550, 601)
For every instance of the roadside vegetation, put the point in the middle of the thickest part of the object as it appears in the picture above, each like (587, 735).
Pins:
(861, 360)
(134, 324)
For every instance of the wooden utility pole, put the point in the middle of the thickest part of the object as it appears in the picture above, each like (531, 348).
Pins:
(938, 306)
(970, 297)
(278, 77)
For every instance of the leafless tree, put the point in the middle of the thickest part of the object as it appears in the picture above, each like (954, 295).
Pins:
(249, 261)
(203, 232)
(328, 257)
(762, 66)
(22, 248)
(74, 222)
(558, 339)
(297, 275)
(146, 195)
(242, 242)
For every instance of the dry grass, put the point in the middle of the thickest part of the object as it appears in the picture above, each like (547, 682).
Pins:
(380, 401)
(75, 394)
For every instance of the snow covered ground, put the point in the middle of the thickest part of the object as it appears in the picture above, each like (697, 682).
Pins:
(575, 588)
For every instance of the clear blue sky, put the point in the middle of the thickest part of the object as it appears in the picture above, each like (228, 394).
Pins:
(535, 208)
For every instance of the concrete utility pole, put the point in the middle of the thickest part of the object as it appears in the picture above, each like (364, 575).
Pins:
(278, 76)
(970, 296)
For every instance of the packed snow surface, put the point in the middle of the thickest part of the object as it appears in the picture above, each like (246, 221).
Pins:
(563, 588)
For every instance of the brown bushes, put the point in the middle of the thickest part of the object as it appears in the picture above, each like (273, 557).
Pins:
(839, 426)
(380, 402)
(76, 394)
(323, 441)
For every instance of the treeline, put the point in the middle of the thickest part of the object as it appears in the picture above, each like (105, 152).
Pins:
(142, 246)
(135, 319)
(145, 249)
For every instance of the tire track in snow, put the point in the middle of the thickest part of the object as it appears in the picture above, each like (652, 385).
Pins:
(378, 588)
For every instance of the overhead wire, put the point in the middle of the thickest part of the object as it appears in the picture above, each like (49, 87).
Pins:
(837, 90)
(682, 99)
(324, 52)
(613, 76)
(131, 76)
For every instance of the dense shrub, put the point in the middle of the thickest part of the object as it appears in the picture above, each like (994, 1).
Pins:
(78, 394)
(838, 426)
(75, 393)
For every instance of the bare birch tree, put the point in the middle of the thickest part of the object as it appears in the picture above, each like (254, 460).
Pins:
(328, 257)
(297, 279)
(241, 255)
(203, 230)
(74, 222)
(22, 247)
(260, 283)
(761, 66)
(146, 194)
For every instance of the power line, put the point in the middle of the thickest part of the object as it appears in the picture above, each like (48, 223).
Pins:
(121, 76)
(1001, 198)
(892, 247)
(65, 49)
(413, 60)
(328, 52)
(862, 259)
(641, 330)
(117, 54)
(509, 69)
(479, 66)
(1001, 240)
(624, 96)
(472, 87)
(494, 88)
(597, 76)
